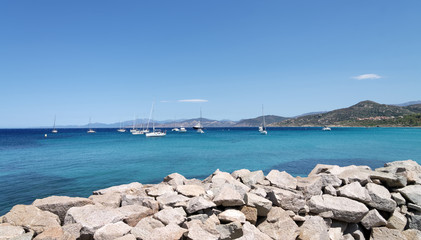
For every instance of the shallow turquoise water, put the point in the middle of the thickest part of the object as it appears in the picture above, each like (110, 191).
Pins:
(74, 163)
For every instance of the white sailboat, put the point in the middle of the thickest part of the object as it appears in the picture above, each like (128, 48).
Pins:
(182, 130)
(175, 129)
(134, 125)
(262, 129)
(89, 126)
(54, 126)
(121, 129)
(155, 132)
(326, 128)
(199, 125)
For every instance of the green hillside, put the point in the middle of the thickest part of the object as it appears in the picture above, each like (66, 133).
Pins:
(255, 122)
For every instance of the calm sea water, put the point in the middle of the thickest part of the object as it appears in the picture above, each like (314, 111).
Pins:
(75, 163)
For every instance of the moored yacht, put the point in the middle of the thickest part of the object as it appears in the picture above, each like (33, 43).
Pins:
(262, 129)
(155, 132)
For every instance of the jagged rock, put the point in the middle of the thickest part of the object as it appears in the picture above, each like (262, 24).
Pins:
(314, 228)
(414, 207)
(196, 231)
(281, 179)
(159, 189)
(240, 173)
(228, 197)
(343, 209)
(289, 200)
(252, 178)
(355, 191)
(127, 237)
(132, 214)
(9, 231)
(131, 188)
(373, 219)
(262, 205)
(324, 169)
(397, 221)
(232, 215)
(330, 190)
(279, 225)
(390, 179)
(60, 204)
(409, 168)
(170, 232)
(112, 231)
(337, 229)
(171, 200)
(250, 213)
(171, 215)
(230, 231)
(175, 179)
(55, 233)
(73, 229)
(259, 192)
(412, 193)
(412, 234)
(380, 198)
(191, 190)
(383, 233)
(250, 232)
(146, 201)
(107, 200)
(310, 186)
(347, 174)
(330, 179)
(145, 226)
(197, 204)
(221, 178)
(92, 217)
(414, 222)
(398, 198)
(31, 217)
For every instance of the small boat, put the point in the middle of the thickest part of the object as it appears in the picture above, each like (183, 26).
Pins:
(182, 130)
(155, 132)
(138, 132)
(262, 129)
(200, 131)
(325, 128)
(54, 126)
(89, 126)
(134, 125)
(121, 129)
(175, 129)
(199, 124)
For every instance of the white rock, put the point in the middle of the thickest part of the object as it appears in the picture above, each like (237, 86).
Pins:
(355, 191)
(232, 215)
(262, 205)
(398, 198)
(107, 200)
(145, 227)
(229, 196)
(397, 221)
(197, 231)
(279, 225)
(382, 233)
(170, 232)
(287, 199)
(240, 173)
(175, 179)
(112, 231)
(281, 179)
(132, 214)
(171, 215)
(252, 178)
(373, 219)
(197, 204)
(131, 188)
(159, 189)
(9, 232)
(380, 198)
(412, 193)
(60, 204)
(250, 232)
(314, 228)
(191, 190)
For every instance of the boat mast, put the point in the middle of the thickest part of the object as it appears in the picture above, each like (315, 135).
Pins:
(150, 115)
(263, 115)
(152, 112)
(54, 126)
(134, 121)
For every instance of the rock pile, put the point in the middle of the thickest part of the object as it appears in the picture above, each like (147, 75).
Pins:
(332, 202)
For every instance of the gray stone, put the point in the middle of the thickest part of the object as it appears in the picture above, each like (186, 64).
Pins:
(175, 179)
(330, 190)
(408, 168)
(60, 204)
(281, 179)
(250, 232)
(397, 221)
(197, 231)
(197, 204)
(354, 173)
(252, 178)
(9, 231)
(343, 209)
(112, 231)
(229, 231)
(383, 233)
(240, 173)
(159, 189)
(54, 233)
(127, 237)
(191, 190)
(390, 179)
(380, 198)
(373, 219)
(310, 186)
(131, 188)
(171, 215)
(279, 225)
(412, 193)
(145, 226)
(132, 214)
(355, 230)
(414, 222)
(287, 199)
(398, 198)
(107, 200)
(330, 179)
(31, 217)
(232, 215)
(412, 234)
(355, 191)
(171, 200)
(250, 213)
(414, 207)
(146, 201)
(337, 229)
(314, 228)
(229, 196)
(170, 232)
(222, 178)
(73, 229)
(262, 205)
(259, 192)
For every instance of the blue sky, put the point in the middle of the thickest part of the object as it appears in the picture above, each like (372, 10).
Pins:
(110, 59)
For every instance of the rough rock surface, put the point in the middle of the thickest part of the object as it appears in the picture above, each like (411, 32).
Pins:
(59, 205)
(112, 231)
(281, 179)
(373, 219)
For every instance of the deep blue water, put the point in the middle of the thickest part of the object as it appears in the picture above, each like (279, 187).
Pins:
(75, 163)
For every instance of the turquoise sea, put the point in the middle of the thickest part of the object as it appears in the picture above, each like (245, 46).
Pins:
(75, 163)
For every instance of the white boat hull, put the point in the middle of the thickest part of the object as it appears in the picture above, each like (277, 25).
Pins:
(91, 131)
(54, 131)
(121, 130)
(156, 134)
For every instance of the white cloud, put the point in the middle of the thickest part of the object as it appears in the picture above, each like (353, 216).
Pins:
(193, 100)
(165, 101)
(367, 76)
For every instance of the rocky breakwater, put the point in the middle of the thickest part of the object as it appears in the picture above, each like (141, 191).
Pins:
(332, 202)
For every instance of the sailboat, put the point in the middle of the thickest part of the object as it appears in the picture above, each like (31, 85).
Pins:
(121, 129)
(134, 125)
(262, 129)
(155, 132)
(199, 125)
(175, 129)
(90, 129)
(54, 126)
(182, 130)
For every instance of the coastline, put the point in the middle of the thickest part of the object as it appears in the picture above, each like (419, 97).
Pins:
(332, 202)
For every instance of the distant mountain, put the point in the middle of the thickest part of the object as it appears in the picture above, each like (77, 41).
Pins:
(414, 108)
(361, 114)
(192, 122)
(408, 103)
(255, 122)
(310, 113)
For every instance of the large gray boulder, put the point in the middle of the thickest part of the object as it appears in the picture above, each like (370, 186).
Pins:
(175, 179)
(343, 209)
(198, 203)
(229, 196)
(281, 179)
(397, 221)
(232, 215)
(414, 222)
(9, 231)
(107, 200)
(197, 230)
(373, 219)
(262, 205)
(381, 198)
(354, 191)
(191, 190)
(287, 199)
(310, 186)
(170, 232)
(408, 168)
(240, 173)
(251, 232)
(171, 215)
(389, 179)
(229, 231)
(279, 225)
(172, 200)
(159, 189)
(145, 227)
(31, 217)
(131, 188)
(132, 214)
(59, 205)
(412, 193)
(314, 228)
(252, 178)
(55, 233)
(383, 233)
(112, 231)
